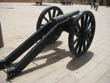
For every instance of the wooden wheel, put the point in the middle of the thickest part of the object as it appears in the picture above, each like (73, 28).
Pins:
(80, 40)
(47, 15)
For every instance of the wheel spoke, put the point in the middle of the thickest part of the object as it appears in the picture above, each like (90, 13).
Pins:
(58, 13)
(84, 45)
(88, 40)
(79, 27)
(89, 22)
(80, 47)
(42, 25)
(54, 12)
(46, 19)
(77, 45)
(89, 27)
(90, 33)
(83, 22)
(86, 20)
(49, 13)
(76, 40)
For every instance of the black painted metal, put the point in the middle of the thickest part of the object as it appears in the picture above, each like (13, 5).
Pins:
(47, 16)
(80, 25)
(80, 40)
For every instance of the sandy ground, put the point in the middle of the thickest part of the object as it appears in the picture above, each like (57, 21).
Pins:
(53, 65)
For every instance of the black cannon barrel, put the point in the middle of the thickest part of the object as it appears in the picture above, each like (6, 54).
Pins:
(63, 17)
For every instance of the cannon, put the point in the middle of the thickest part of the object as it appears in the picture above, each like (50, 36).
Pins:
(80, 25)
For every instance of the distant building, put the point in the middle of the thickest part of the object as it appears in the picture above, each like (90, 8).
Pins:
(101, 2)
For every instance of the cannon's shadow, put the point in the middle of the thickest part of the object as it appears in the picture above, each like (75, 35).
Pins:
(58, 55)
(78, 62)
(51, 58)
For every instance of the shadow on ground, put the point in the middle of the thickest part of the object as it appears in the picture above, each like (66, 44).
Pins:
(78, 62)
(51, 58)
(58, 55)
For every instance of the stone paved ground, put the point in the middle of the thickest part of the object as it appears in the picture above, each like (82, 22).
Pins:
(54, 65)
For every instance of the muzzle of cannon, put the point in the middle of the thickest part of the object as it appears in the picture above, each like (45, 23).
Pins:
(80, 25)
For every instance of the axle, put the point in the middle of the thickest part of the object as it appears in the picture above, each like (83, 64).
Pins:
(63, 17)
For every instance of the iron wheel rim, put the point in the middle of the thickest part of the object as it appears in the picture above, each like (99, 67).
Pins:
(80, 41)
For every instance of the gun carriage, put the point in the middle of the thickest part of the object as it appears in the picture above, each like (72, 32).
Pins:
(80, 25)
